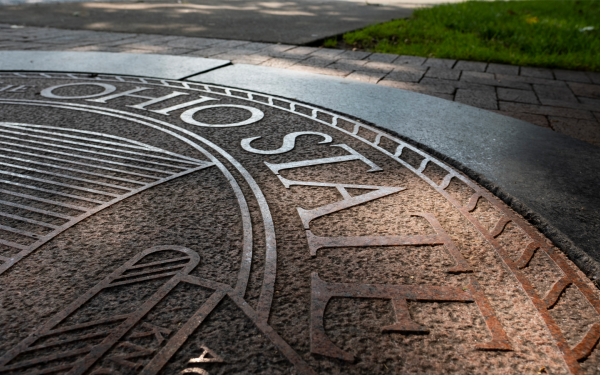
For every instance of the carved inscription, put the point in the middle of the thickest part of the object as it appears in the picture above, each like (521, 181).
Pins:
(54, 175)
(321, 291)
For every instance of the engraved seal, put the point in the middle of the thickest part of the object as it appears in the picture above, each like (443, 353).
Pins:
(151, 226)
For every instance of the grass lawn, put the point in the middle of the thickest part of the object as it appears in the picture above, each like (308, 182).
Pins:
(552, 34)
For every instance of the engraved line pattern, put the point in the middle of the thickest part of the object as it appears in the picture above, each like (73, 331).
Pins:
(270, 261)
(37, 159)
(84, 358)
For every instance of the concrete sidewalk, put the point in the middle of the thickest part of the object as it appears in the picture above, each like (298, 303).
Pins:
(565, 101)
(293, 22)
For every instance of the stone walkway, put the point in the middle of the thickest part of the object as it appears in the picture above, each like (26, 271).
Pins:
(565, 101)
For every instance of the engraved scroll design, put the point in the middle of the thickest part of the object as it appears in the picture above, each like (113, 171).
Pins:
(60, 337)
(52, 178)
(101, 343)
(358, 131)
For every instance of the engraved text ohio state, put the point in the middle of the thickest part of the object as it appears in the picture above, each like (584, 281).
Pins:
(151, 226)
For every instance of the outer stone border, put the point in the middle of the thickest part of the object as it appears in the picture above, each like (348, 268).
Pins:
(546, 176)
(133, 64)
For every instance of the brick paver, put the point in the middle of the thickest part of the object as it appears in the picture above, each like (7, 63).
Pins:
(565, 101)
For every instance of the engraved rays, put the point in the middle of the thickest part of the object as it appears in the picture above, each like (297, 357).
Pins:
(52, 178)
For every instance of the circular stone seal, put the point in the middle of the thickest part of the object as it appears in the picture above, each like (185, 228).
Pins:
(151, 226)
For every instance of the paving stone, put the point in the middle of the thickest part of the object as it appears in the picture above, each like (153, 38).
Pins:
(246, 58)
(418, 87)
(449, 97)
(382, 57)
(470, 66)
(508, 79)
(319, 70)
(405, 74)
(585, 130)
(491, 80)
(149, 47)
(373, 66)
(276, 49)
(594, 76)
(193, 43)
(241, 52)
(584, 89)
(536, 72)
(210, 51)
(409, 60)
(328, 53)
(25, 46)
(8, 45)
(590, 102)
(39, 34)
(53, 47)
(439, 63)
(479, 99)
(94, 48)
(88, 38)
(278, 62)
(317, 61)
(301, 51)
(354, 55)
(552, 93)
(564, 104)
(571, 76)
(511, 70)
(521, 96)
(255, 46)
(135, 39)
(545, 110)
(538, 120)
(163, 50)
(443, 73)
(346, 64)
(232, 43)
(142, 41)
(132, 50)
(366, 76)
(457, 84)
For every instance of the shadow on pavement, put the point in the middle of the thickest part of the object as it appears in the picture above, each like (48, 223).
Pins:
(292, 22)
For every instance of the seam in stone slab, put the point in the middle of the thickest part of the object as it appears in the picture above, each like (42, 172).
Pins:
(586, 264)
(205, 71)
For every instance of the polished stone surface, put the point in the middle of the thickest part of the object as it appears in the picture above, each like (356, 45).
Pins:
(160, 66)
(553, 175)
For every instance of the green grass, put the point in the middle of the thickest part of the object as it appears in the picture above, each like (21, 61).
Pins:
(552, 34)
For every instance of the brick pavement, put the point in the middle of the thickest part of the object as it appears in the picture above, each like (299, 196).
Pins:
(564, 101)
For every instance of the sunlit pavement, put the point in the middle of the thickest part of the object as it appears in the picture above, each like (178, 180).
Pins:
(401, 3)
(293, 22)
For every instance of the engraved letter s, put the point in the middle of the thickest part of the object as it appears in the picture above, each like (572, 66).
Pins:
(289, 142)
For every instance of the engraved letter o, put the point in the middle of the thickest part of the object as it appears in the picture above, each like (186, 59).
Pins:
(188, 116)
(107, 90)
